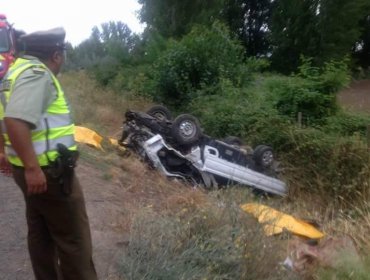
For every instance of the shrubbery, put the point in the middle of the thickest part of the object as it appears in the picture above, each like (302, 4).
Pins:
(197, 62)
(311, 92)
(239, 112)
(348, 124)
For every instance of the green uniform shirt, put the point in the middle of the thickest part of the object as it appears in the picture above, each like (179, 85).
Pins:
(33, 92)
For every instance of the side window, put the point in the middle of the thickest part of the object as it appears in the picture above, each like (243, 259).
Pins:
(4, 40)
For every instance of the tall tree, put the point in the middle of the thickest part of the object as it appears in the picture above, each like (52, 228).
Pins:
(293, 32)
(361, 49)
(249, 19)
(117, 39)
(322, 29)
(339, 26)
(174, 18)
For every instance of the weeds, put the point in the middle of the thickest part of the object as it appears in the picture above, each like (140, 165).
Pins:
(201, 241)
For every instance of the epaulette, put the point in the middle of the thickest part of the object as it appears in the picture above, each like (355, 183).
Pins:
(38, 70)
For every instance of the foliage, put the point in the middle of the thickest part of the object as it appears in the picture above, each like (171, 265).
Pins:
(293, 33)
(347, 124)
(311, 92)
(106, 51)
(362, 46)
(104, 70)
(249, 20)
(239, 112)
(199, 60)
(173, 19)
(325, 30)
(335, 167)
(339, 24)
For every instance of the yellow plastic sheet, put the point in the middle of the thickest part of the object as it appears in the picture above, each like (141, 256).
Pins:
(275, 221)
(88, 136)
(113, 141)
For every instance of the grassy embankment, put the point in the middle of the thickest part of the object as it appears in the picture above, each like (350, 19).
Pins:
(177, 232)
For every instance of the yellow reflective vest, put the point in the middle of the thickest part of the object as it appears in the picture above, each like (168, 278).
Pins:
(54, 127)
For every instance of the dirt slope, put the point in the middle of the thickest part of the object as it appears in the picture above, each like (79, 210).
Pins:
(356, 97)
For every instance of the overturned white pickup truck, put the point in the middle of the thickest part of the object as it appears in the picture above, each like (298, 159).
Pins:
(178, 148)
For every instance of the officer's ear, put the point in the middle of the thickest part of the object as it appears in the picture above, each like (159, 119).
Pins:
(55, 61)
(58, 56)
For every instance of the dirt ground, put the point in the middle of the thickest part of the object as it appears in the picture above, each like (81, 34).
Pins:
(356, 97)
(104, 201)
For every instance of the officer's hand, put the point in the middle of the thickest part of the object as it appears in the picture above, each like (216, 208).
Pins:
(36, 180)
(5, 167)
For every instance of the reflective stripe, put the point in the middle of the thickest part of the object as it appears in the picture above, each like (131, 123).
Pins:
(40, 146)
(13, 69)
(42, 159)
(54, 121)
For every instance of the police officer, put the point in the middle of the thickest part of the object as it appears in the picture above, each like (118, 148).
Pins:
(35, 123)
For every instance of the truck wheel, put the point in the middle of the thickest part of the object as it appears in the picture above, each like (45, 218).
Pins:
(186, 129)
(160, 112)
(263, 156)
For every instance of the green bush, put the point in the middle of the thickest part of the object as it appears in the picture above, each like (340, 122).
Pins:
(199, 60)
(104, 70)
(239, 112)
(291, 95)
(311, 92)
(348, 124)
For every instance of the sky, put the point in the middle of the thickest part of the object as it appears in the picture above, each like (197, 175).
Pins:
(78, 17)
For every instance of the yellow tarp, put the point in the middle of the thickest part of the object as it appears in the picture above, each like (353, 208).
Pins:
(113, 141)
(275, 221)
(88, 136)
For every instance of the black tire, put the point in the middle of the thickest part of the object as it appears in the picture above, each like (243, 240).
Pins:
(186, 129)
(263, 156)
(233, 140)
(160, 112)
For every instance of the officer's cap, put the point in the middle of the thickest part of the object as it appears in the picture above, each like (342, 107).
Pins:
(44, 41)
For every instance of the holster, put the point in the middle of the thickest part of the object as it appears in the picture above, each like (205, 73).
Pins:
(63, 166)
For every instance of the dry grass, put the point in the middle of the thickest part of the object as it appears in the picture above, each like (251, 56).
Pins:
(95, 107)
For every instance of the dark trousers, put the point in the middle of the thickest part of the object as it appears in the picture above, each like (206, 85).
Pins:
(59, 239)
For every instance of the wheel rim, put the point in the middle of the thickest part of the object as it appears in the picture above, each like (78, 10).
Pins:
(187, 129)
(267, 158)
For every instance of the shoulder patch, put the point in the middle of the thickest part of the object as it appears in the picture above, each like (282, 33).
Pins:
(38, 70)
